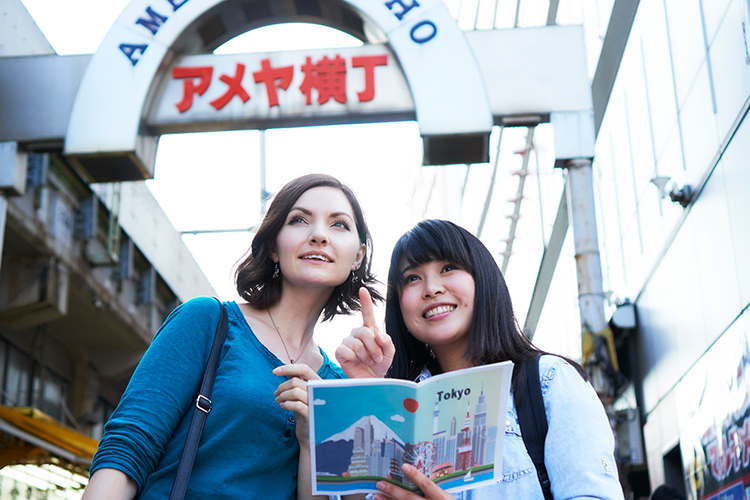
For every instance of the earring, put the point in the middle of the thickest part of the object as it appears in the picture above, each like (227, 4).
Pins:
(354, 277)
(276, 271)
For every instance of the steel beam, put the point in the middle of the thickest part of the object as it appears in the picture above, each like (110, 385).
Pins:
(552, 12)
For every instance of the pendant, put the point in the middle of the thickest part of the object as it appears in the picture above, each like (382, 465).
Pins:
(291, 361)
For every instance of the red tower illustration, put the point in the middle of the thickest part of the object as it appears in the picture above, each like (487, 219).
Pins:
(465, 460)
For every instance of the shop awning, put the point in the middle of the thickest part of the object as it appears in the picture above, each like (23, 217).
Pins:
(41, 430)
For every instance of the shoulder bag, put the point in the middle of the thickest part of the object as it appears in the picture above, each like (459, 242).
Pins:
(201, 411)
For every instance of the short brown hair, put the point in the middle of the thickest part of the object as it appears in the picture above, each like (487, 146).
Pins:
(254, 274)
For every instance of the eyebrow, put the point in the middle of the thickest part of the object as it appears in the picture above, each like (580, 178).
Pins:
(333, 215)
(408, 268)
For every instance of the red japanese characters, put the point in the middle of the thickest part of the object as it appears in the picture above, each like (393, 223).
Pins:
(326, 77)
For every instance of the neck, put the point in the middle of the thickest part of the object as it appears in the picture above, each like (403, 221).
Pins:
(451, 358)
(297, 313)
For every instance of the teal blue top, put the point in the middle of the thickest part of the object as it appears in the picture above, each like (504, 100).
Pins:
(248, 448)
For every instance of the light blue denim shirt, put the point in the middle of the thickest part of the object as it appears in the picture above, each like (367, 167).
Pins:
(579, 449)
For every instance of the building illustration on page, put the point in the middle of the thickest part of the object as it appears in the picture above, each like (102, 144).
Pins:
(447, 427)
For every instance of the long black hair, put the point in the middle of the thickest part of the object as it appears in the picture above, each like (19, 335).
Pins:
(494, 334)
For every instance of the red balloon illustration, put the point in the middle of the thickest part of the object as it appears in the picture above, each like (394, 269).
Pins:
(410, 405)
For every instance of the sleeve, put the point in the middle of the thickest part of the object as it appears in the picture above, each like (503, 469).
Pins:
(330, 370)
(159, 392)
(579, 449)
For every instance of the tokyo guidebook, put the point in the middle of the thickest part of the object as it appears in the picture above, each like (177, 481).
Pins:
(450, 427)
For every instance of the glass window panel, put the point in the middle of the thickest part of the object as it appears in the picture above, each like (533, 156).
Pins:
(600, 187)
(612, 235)
(608, 218)
(652, 227)
(699, 134)
(102, 411)
(686, 305)
(52, 396)
(18, 379)
(719, 285)
(621, 162)
(687, 44)
(36, 386)
(730, 70)
(713, 12)
(652, 31)
(737, 178)
(97, 428)
(639, 130)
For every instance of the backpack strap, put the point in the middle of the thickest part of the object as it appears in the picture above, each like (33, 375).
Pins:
(532, 419)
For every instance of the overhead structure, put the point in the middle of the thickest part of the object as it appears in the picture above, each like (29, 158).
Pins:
(132, 62)
(155, 73)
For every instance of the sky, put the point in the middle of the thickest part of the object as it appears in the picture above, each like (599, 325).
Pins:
(211, 181)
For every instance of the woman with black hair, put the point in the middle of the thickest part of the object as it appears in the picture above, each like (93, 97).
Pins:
(448, 308)
(309, 257)
(666, 492)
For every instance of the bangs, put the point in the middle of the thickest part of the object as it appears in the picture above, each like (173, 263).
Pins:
(429, 242)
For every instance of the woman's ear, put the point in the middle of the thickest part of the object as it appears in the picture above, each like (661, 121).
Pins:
(360, 257)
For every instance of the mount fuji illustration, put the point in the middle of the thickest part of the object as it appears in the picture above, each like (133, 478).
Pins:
(380, 431)
(334, 454)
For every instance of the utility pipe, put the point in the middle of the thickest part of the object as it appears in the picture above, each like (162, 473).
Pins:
(597, 342)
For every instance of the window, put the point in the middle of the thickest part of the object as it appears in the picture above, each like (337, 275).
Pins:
(50, 393)
(17, 383)
(102, 411)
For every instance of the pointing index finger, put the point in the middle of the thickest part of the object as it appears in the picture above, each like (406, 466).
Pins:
(368, 311)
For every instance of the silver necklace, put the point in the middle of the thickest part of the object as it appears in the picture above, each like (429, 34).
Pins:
(278, 332)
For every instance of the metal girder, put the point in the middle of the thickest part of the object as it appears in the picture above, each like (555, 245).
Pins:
(613, 48)
(552, 12)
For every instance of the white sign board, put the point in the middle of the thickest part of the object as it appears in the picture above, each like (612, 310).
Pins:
(277, 87)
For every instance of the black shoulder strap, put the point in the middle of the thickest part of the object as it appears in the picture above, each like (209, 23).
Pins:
(532, 419)
(202, 408)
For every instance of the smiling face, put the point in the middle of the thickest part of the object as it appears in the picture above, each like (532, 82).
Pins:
(318, 246)
(437, 304)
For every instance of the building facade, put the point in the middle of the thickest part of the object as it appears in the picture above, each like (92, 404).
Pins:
(87, 275)
(671, 88)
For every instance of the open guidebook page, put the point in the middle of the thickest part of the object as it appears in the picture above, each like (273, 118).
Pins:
(450, 427)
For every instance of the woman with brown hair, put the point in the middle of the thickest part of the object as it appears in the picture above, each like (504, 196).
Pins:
(309, 258)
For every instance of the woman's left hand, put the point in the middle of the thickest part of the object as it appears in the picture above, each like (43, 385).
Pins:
(431, 490)
(366, 352)
(292, 394)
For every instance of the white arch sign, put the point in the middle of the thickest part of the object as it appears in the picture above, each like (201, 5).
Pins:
(107, 134)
